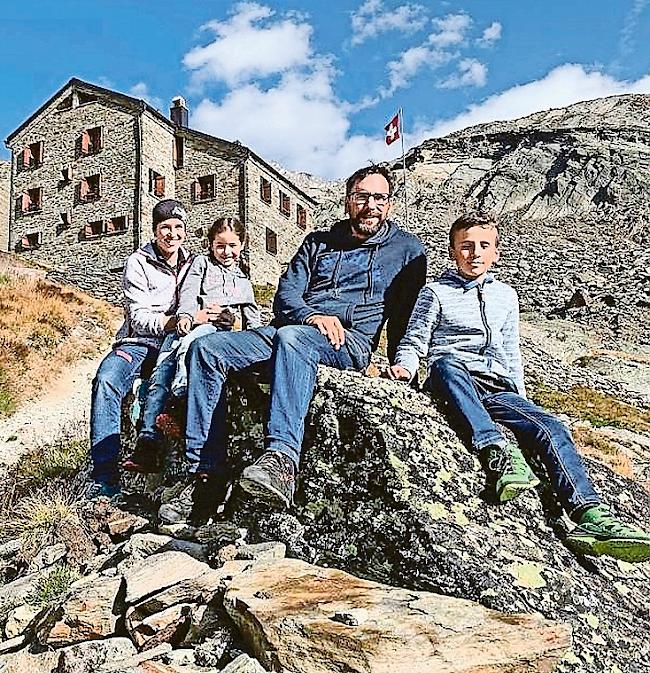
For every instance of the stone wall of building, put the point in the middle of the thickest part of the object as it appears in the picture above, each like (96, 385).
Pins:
(205, 158)
(156, 155)
(266, 266)
(66, 246)
(5, 188)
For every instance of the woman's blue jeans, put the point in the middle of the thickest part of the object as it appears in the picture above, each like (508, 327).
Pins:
(475, 410)
(114, 379)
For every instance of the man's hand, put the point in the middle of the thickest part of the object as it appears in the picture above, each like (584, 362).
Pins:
(184, 325)
(329, 326)
(396, 373)
(208, 314)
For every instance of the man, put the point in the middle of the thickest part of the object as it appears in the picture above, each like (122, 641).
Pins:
(332, 302)
(151, 277)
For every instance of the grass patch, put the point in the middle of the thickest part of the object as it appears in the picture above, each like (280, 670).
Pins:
(264, 295)
(591, 444)
(590, 405)
(36, 519)
(53, 586)
(56, 461)
(44, 327)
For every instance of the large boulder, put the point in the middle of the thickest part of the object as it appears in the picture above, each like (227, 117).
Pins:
(304, 619)
(389, 493)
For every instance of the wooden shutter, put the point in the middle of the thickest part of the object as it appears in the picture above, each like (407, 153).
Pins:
(27, 157)
(159, 185)
(84, 189)
(85, 142)
(26, 202)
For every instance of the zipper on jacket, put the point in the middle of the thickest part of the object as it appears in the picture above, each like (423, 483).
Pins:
(488, 331)
(335, 275)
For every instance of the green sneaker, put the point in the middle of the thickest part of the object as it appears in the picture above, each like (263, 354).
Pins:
(508, 468)
(600, 533)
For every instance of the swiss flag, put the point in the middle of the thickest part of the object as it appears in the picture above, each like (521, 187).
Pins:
(392, 130)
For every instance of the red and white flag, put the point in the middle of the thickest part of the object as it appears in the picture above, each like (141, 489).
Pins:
(392, 130)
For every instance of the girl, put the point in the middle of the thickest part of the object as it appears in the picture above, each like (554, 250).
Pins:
(216, 295)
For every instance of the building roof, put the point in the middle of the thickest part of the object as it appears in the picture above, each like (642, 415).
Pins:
(141, 105)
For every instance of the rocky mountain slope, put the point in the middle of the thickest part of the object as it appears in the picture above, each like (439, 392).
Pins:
(569, 186)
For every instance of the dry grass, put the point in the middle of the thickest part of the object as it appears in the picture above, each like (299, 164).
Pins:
(44, 326)
(264, 295)
(37, 518)
(591, 444)
(590, 405)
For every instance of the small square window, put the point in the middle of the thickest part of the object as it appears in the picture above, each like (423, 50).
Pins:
(66, 174)
(30, 201)
(94, 229)
(90, 141)
(31, 241)
(265, 190)
(115, 224)
(31, 156)
(285, 204)
(156, 183)
(204, 188)
(89, 189)
(301, 216)
(271, 242)
(64, 221)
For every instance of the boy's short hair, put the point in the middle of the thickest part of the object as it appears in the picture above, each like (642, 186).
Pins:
(474, 218)
(374, 169)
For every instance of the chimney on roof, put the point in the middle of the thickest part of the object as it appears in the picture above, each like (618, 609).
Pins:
(178, 111)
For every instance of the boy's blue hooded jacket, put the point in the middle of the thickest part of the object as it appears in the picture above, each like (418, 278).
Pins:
(364, 283)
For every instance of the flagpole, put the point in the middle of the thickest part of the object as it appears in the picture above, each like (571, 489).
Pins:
(400, 117)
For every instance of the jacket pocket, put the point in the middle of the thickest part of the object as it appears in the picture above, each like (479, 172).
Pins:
(324, 272)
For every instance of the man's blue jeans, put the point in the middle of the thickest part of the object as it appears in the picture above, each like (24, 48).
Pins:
(114, 379)
(292, 354)
(476, 410)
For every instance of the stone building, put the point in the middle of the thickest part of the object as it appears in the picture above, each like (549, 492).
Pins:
(5, 172)
(90, 164)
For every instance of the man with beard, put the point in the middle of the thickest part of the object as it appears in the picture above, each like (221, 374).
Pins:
(339, 290)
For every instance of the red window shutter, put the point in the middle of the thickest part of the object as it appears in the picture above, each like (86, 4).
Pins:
(84, 189)
(88, 230)
(27, 156)
(159, 185)
(85, 142)
(26, 202)
(24, 243)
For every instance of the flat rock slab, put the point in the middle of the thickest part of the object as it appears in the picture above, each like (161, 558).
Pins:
(286, 611)
(87, 613)
(159, 571)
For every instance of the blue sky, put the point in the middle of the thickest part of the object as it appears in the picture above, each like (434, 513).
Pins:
(311, 84)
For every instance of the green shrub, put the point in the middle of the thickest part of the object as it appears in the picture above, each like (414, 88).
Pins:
(50, 588)
(264, 295)
(55, 461)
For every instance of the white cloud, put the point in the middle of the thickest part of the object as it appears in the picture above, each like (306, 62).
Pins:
(247, 46)
(141, 90)
(435, 52)
(630, 24)
(564, 85)
(470, 73)
(490, 35)
(451, 30)
(372, 19)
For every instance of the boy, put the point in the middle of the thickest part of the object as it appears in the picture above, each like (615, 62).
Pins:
(467, 324)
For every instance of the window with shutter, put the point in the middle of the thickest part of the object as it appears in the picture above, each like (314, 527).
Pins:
(285, 204)
(93, 229)
(265, 190)
(271, 242)
(204, 188)
(301, 216)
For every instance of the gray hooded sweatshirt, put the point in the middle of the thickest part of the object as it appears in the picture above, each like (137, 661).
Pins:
(474, 321)
(209, 282)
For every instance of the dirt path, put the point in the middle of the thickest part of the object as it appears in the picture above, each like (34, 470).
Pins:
(65, 404)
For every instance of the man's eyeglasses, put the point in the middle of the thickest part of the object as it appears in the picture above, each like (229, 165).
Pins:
(363, 197)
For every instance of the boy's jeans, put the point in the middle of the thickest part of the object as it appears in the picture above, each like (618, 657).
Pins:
(292, 353)
(169, 376)
(114, 379)
(476, 410)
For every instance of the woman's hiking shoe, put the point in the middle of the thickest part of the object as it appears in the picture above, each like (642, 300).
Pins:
(509, 470)
(145, 457)
(600, 533)
(271, 478)
(197, 503)
(102, 489)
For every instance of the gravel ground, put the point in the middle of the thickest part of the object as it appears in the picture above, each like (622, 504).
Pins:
(65, 405)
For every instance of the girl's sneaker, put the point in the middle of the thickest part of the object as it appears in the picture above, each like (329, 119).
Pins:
(600, 533)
